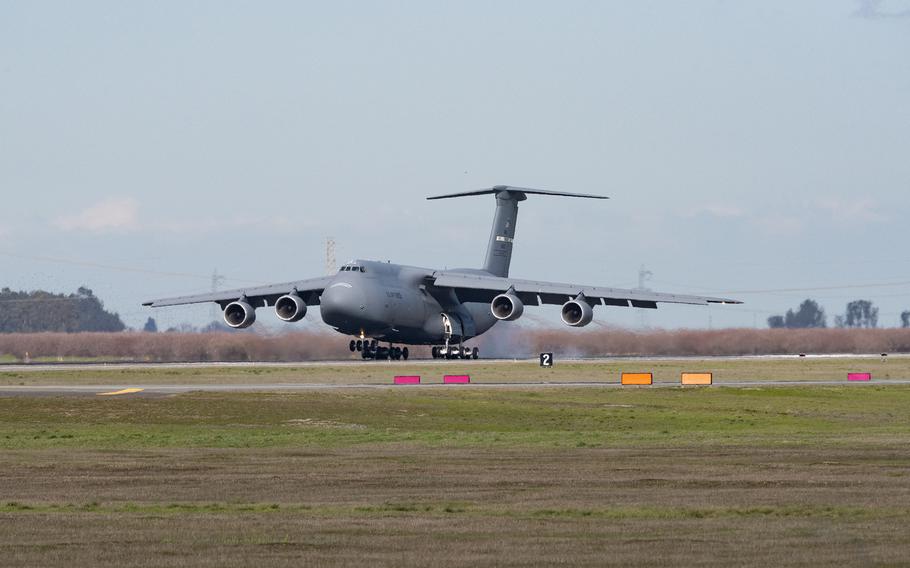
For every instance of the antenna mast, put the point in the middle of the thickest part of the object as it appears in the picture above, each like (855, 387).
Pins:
(643, 276)
(330, 265)
(217, 280)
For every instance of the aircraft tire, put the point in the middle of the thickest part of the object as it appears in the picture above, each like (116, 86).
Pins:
(475, 353)
(353, 346)
(405, 353)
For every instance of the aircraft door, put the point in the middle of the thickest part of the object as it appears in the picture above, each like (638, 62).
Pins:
(457, 327)
(451, 326)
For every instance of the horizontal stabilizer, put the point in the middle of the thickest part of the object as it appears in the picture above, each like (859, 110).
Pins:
(511, 189)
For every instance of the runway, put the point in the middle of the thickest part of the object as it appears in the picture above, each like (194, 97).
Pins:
(165, 390)
(132, 365)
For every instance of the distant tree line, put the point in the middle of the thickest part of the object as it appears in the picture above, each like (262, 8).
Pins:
(858, 314)
(29, 312)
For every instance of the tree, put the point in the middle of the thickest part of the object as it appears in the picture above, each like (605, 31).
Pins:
(151, 326)
(905, 318)
(775, 322)
(28, 312)
(809, 314)
(861, 313)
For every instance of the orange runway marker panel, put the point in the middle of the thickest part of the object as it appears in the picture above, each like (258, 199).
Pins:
(637, 378)
(697, 378)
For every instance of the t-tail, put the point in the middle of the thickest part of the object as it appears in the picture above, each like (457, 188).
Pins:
(502, 236)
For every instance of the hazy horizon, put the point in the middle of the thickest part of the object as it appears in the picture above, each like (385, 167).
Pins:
(756, 150)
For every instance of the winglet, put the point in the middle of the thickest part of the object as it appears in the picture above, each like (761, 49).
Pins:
(497, 189)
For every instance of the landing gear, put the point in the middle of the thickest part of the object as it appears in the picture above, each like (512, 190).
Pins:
(369, 349)
(448, 351)
(459, 352)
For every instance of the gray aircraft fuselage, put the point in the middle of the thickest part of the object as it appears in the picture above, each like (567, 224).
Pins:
(394, 303)
(379, 301)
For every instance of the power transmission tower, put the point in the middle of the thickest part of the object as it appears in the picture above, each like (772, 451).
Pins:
(217, 280)
(330, 267)
(643, 276)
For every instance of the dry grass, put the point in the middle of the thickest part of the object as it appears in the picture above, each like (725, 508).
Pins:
(684, 342)
(503, 341)
(399, 506)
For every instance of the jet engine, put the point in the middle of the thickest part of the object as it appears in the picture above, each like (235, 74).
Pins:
(239, 314)
(507, 307)
(290, 308)
(577, 313)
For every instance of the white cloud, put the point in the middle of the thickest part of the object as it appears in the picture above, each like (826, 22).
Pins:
(116, 214)
(780, 225)
(873, 10)
(851, 211)
(201, 225)
(723, 211)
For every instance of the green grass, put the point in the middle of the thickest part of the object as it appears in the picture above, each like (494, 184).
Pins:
(770, 416)
(809, 475)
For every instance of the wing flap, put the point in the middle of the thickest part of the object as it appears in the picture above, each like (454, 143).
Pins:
(310, 290)
(559, 293)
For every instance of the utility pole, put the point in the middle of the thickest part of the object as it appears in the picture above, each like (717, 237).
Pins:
(643, 276)
(330, 266)
(217, 280)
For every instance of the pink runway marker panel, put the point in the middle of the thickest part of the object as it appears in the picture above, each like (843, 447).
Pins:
(859, 376)
(407, 380)
(456, 379)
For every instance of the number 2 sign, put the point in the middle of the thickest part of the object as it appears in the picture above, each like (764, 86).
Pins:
(546, 359)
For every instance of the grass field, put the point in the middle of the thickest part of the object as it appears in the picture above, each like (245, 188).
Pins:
(707, 476)
(378, 372)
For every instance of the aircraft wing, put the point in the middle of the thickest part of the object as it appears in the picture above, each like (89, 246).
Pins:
(472, 287)
(258, 296)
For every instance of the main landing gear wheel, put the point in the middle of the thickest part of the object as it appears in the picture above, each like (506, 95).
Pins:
(369, 349)
(455, 352)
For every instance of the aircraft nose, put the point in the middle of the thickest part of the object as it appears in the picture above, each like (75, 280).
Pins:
(341, 304)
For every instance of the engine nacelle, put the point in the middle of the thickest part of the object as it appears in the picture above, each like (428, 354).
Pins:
(507, 307)
(239, 314)
(577, 313)
(290, 308)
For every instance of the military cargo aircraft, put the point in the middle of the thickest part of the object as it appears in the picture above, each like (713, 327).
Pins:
(380, 302)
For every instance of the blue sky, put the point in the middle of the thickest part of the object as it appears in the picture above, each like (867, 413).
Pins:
(757, 149)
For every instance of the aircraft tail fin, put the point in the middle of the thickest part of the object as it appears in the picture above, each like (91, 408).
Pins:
(502, 237)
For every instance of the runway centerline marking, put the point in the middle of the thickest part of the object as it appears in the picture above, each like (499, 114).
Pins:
(123, 391)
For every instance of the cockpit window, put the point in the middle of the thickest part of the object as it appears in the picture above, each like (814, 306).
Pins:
(362, 269)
